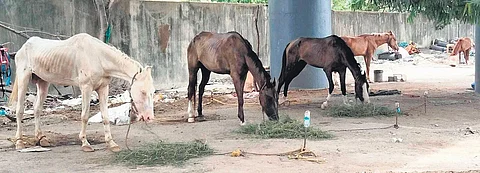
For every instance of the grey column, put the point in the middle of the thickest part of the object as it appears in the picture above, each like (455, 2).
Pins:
(290, 19)
(477, 59)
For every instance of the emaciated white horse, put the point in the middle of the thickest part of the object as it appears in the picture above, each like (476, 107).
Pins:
(86, 62)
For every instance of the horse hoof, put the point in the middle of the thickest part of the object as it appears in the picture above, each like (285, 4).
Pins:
(19, 145)
(115, 149)
(87, 148)
(191, 120)
(201, 118)
(324, 105)
(44, 142)
(244, 123)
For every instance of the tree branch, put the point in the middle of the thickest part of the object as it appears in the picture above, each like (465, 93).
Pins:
(46, 33)
(15, 31)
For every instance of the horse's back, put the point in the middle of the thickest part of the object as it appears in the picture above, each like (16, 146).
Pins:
(217, 51)
(318, 52)
(58, 60)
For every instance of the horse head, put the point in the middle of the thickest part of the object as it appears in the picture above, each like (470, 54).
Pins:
(461, 45)
(392, 40)
(141, 92)
(456, 48)
(269, 99)
(362, 88)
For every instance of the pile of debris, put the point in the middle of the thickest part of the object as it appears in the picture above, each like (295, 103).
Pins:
(117, 115)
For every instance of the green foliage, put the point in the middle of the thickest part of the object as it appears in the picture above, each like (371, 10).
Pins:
(285, 128)
(359, 111)
(162, 153)
(340, 4)
(441, 12)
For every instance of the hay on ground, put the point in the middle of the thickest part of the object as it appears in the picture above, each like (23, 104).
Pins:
(360, 110)
(162, 153)
(285, 128)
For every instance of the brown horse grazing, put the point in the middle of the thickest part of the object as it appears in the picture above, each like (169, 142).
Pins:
(464, 45)
(330, 53)
(365, 45)
(228, 53)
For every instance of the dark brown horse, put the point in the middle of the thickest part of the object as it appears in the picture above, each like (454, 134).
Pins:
(228, 53)
(330, 53)
(365, 45)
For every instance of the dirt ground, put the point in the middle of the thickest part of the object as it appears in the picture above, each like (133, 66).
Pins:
(435, 141)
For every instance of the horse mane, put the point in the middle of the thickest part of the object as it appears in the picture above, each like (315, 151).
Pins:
(253, 56)
(372, 34)
(122, 54)
(349, 56)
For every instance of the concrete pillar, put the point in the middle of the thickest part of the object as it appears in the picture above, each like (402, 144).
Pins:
(290, 19)
(477, 59)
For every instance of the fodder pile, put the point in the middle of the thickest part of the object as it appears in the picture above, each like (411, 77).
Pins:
(285, 128)
(162, 153)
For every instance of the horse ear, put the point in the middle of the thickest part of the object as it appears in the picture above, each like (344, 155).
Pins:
(148, 69)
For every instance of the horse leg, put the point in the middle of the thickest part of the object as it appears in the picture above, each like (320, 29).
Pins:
(192, 83)
(295, 70)
(368, 60)
(23, 79)
(330, 88)
(42, 91)
(102, 98)
(466, 55)
(239, 82)
(86, 96)
(342, 86)
(201, 89)
(460, 58)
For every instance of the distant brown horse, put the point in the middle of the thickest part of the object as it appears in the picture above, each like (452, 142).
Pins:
(330, 53)
(365, 45)
(464, 45)
(228, 53)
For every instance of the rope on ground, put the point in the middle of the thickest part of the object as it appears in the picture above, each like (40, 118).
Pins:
(299, 154)
(360, 129)
(223, 103)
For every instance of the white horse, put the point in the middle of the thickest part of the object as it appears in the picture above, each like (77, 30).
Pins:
(86, 62)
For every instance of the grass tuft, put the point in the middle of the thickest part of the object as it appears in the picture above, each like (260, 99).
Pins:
(161, 153)
(285, 128)
(360, 110)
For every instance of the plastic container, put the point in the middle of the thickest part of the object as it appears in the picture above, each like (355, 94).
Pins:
(306, 119)
(378, 75)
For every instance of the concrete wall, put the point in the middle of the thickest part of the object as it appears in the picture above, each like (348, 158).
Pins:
(158, 33)
(420, 31)
(63, 17)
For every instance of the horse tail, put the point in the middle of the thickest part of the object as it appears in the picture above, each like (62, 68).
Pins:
(283, 72)
(14, 95)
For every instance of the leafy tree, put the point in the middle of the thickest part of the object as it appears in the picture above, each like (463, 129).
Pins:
(441, 12)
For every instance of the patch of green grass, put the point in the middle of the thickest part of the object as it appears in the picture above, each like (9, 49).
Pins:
(285, 128)
(360, 110)
(162, 153)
